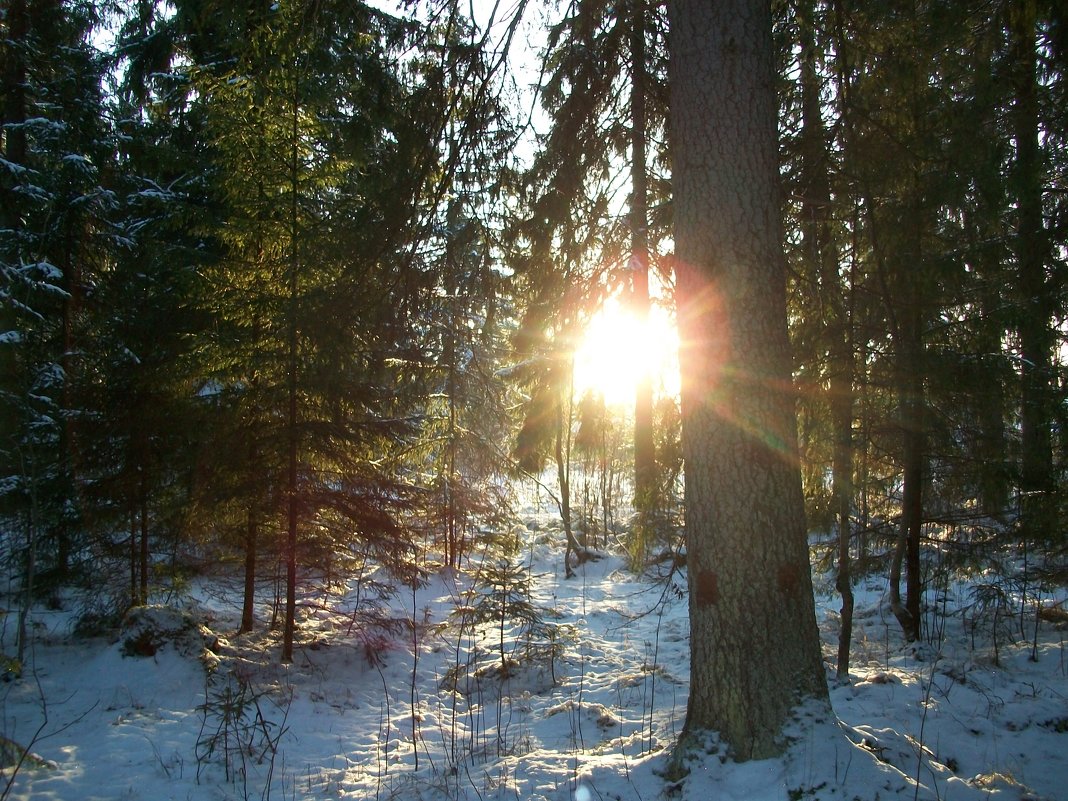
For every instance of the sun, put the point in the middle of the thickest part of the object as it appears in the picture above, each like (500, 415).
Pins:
(617, 349)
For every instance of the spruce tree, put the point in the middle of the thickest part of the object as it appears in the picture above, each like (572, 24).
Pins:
(55, 238)
(747, 558)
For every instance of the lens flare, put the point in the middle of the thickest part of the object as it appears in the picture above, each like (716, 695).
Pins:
(618, 349)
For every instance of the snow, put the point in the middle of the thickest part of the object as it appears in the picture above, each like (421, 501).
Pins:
(590, 711)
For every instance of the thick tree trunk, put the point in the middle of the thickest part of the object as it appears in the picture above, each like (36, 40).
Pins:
(755, 650)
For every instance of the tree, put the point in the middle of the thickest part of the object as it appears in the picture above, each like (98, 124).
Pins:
(755, 650)
(603, 91)
(923, 152)
(54, 238)
(822, 300)
(1037, 301)
(338, 134)
(465, 414)
(460, 323)
(645, 477)
(309, 328)
(141, 378)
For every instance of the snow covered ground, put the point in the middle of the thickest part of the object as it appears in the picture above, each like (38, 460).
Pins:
(587, 705)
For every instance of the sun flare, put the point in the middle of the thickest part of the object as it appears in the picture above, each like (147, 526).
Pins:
(617, 349)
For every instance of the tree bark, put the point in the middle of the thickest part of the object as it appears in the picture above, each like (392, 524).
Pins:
(822, 253)
(248, 605)
(143, 553)
(903, 298)
(912, 457)
(562, 456)
(292, 369)
(755, 651)
(132, 556)
(1036, 301)
(644, 447)
(13, 149)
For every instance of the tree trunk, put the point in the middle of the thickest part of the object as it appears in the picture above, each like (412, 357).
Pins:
(13, 149)
(562, 454)
(904, 309)
(898, 253)
(133, 557)
(452, 523)
(899, 609)
(291, 509)
(644, 447)
(14, 93)
(993, 481)
(1036, 334)
(292, 359)
(248, 605)
(755, 650)
(842, 488)
(912, 459)
(31, 565)
(72, 281)
(143, 553)
(821, 251)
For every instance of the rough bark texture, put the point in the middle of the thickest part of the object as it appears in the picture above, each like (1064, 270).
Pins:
(755, 650)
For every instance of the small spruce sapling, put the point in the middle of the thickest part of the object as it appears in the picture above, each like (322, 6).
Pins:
(503, 598)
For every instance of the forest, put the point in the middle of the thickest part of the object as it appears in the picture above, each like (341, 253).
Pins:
(573, 399)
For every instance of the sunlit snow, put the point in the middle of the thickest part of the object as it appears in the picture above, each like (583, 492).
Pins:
(593, 717)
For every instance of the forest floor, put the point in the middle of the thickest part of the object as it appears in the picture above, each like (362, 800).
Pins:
(587, 706)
